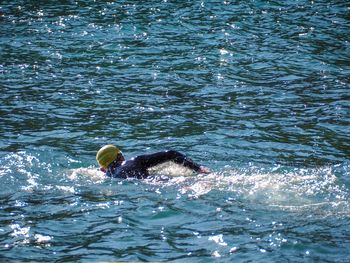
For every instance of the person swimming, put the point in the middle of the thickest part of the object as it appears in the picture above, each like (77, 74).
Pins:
(113, 163)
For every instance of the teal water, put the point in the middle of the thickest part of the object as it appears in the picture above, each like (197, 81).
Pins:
(259, 91)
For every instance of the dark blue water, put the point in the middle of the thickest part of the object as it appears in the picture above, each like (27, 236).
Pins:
(259, 91)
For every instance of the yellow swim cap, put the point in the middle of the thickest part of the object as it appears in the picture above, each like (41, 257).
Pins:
(106, 155)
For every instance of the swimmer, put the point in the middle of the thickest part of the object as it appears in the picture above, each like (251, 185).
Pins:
(113, 163)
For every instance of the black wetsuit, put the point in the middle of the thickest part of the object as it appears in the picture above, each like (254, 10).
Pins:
(137, 167)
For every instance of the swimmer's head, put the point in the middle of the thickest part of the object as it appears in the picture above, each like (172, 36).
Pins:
(107, 155)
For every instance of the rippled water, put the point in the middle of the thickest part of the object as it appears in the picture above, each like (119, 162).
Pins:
(259, 91)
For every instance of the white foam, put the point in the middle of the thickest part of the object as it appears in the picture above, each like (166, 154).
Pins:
(218, 239)
(170, 169)
(41, 238)
(295, 190)
(92, 173)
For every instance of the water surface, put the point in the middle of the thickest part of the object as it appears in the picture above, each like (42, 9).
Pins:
(256, 90)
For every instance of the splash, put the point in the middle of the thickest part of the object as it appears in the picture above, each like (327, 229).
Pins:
(91, 173)
(170, 169)
(94, 175)
(296, 190)
(21, 170)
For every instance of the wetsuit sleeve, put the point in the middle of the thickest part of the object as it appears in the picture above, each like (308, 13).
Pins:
(150, 160)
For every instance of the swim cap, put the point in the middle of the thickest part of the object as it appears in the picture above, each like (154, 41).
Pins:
(106, 155)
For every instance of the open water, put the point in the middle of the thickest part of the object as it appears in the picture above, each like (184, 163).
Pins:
(259, 91)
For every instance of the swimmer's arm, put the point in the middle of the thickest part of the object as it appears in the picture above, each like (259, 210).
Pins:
(154, 159)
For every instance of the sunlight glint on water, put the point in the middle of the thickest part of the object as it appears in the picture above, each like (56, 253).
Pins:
(257, 91)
